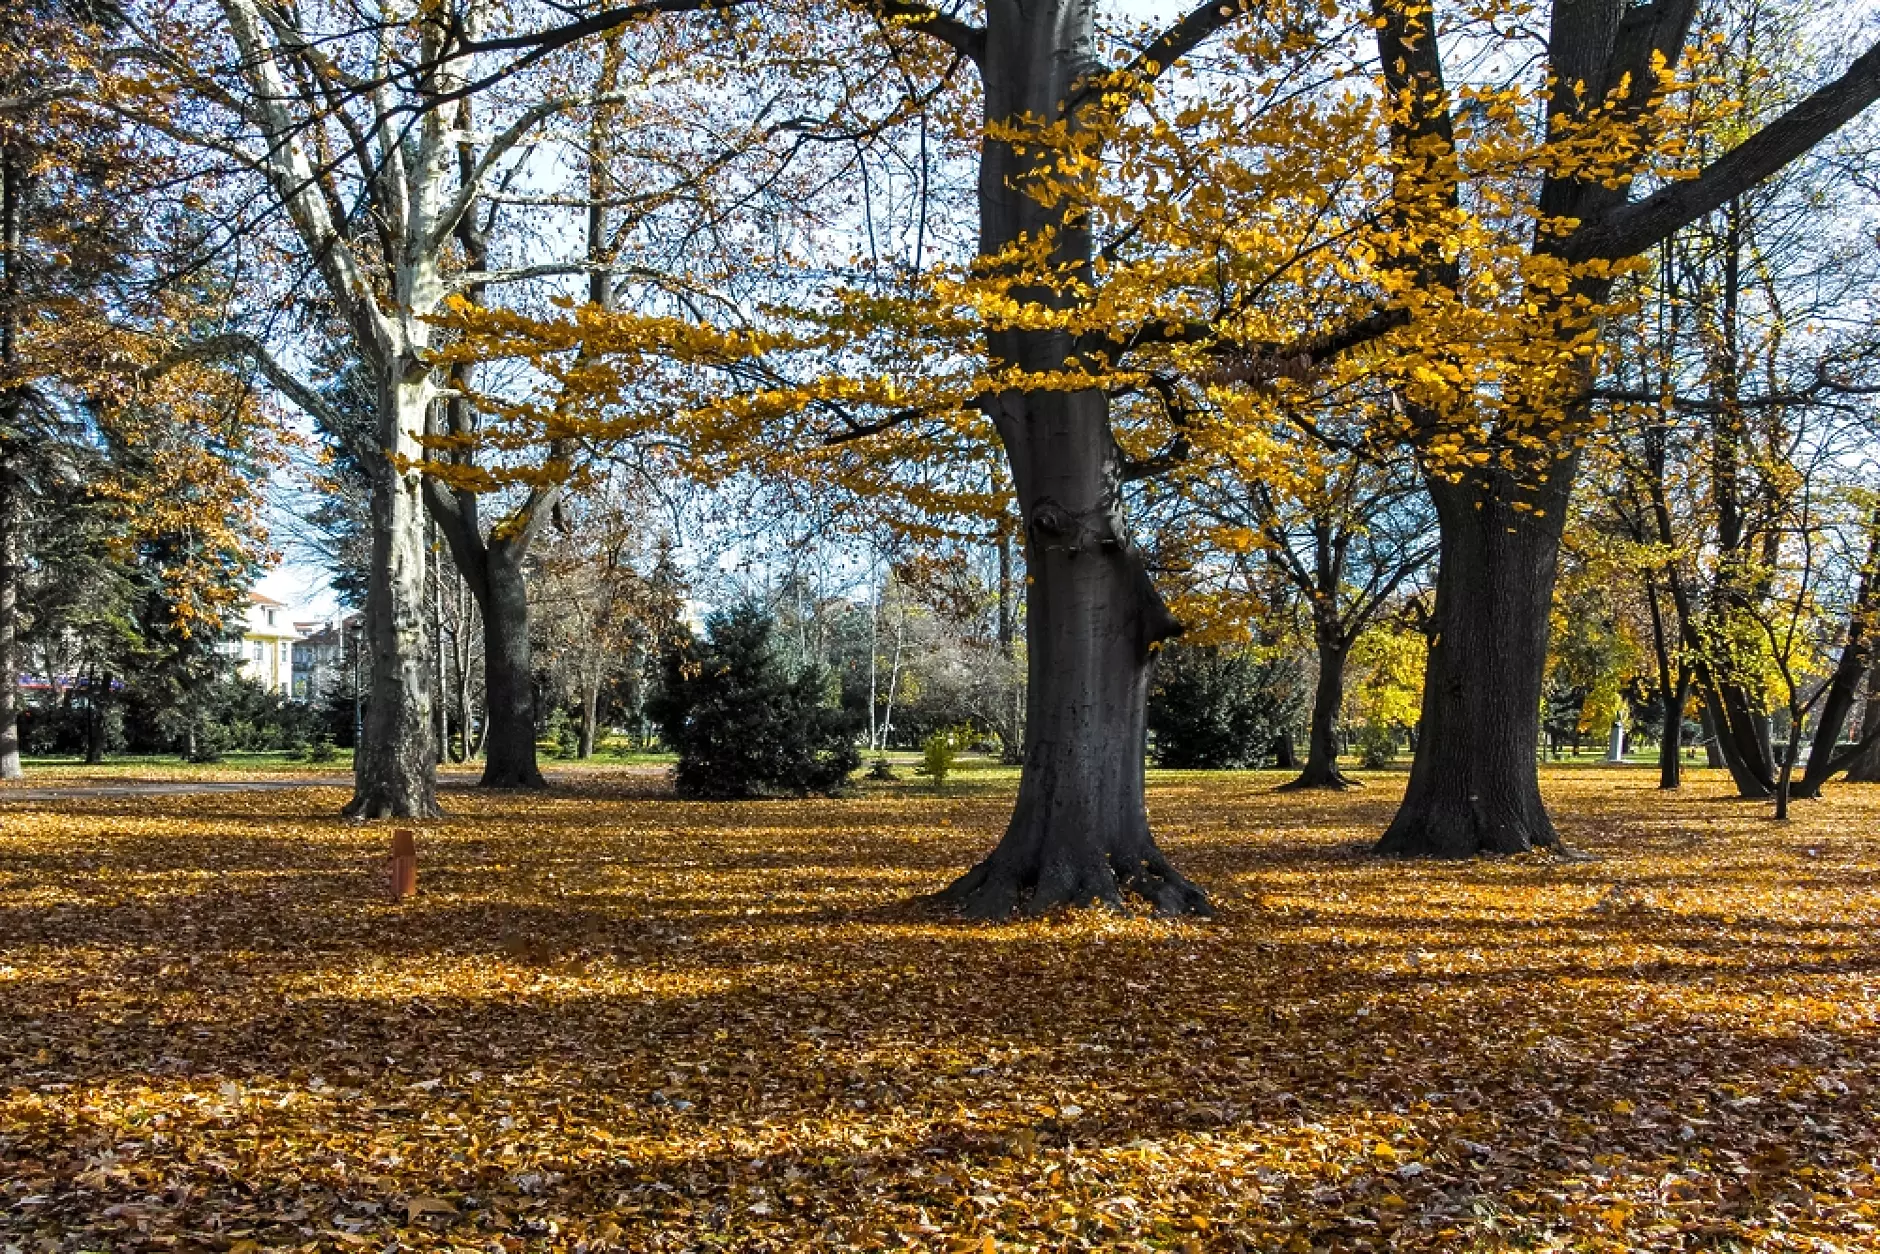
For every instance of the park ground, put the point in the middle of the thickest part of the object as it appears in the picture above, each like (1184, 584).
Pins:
(615, 1020)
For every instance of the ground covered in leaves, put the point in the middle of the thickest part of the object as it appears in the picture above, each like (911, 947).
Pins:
(614, 1020)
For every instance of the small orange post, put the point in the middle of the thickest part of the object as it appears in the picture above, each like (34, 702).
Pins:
(404, 864)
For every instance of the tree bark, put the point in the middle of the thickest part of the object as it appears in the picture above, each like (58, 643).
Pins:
(1079, 833)
(1865, 769)
(590, 717)
(1671, 739)
(12, 211)
(1321, 768)
(1849, 669)
(1012, 712)
(97, 693)
(1713, 749)
(1475, 782)
(395, 769)
(10, 767)
(1740, 739)
(508, 675)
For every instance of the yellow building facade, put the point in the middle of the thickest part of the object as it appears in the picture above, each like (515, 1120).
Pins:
(267, 645)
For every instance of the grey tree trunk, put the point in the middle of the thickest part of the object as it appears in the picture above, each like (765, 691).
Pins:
(1849, 669)
(1079, 833)
(1475, 782)
(1741, 738)
(12, 211)
(395, 769)
(10, 767)
(508, 676)
(1865, 769)
(1713, 751)
(1012, 708)
(1321, 768)
(590, 718)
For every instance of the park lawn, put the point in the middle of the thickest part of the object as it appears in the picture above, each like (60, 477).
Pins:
(65, 772)
(53, 771)
(615, 1020)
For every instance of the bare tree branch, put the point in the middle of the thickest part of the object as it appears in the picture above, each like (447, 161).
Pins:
(1631, 229)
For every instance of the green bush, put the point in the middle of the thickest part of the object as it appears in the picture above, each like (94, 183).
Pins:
(212, 744)
(1218, 709)
(1377, 745)
(941, 751)
(747, 723)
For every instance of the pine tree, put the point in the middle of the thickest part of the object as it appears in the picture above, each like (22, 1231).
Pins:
(744, 721)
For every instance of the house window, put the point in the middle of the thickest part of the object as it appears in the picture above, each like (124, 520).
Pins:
(261, 652)
(270, 618)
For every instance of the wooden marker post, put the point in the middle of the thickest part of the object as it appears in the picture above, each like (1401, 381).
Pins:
(404, 864)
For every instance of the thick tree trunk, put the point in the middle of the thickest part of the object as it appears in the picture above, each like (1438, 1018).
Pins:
(1475, 782)
(1865, 769)
(1321, 768)
(1012, 713)
(395, 769)
(1742, 740)
(1823, 761)
(1849, 669)
(1079, 834)
(508, 677)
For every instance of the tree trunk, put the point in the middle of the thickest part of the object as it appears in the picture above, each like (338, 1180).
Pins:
(1713, 749)
(12, 211)
(1865, 769)
(508, 677)
(395, 770)
(96, 694)
(10, 767)
(460, 657)
(1671, 740)
(1079, 834)
(1742, 740)
(1475, 781)
(1012, 712)
(590, 716)
(1823, 761)
(1321, 768)
(440, 707)
(1849, 669)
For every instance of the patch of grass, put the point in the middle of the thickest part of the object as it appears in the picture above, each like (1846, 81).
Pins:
(611, 1019)
(174, 766)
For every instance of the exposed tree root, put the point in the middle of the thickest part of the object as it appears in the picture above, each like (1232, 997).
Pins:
(992, 891)
(365, 808)
(1333, 781)
(1439, 830)
(530, 780)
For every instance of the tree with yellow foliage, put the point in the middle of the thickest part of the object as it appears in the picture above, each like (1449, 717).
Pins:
(1162, 256)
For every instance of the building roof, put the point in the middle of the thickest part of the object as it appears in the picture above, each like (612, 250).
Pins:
(259, 599)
